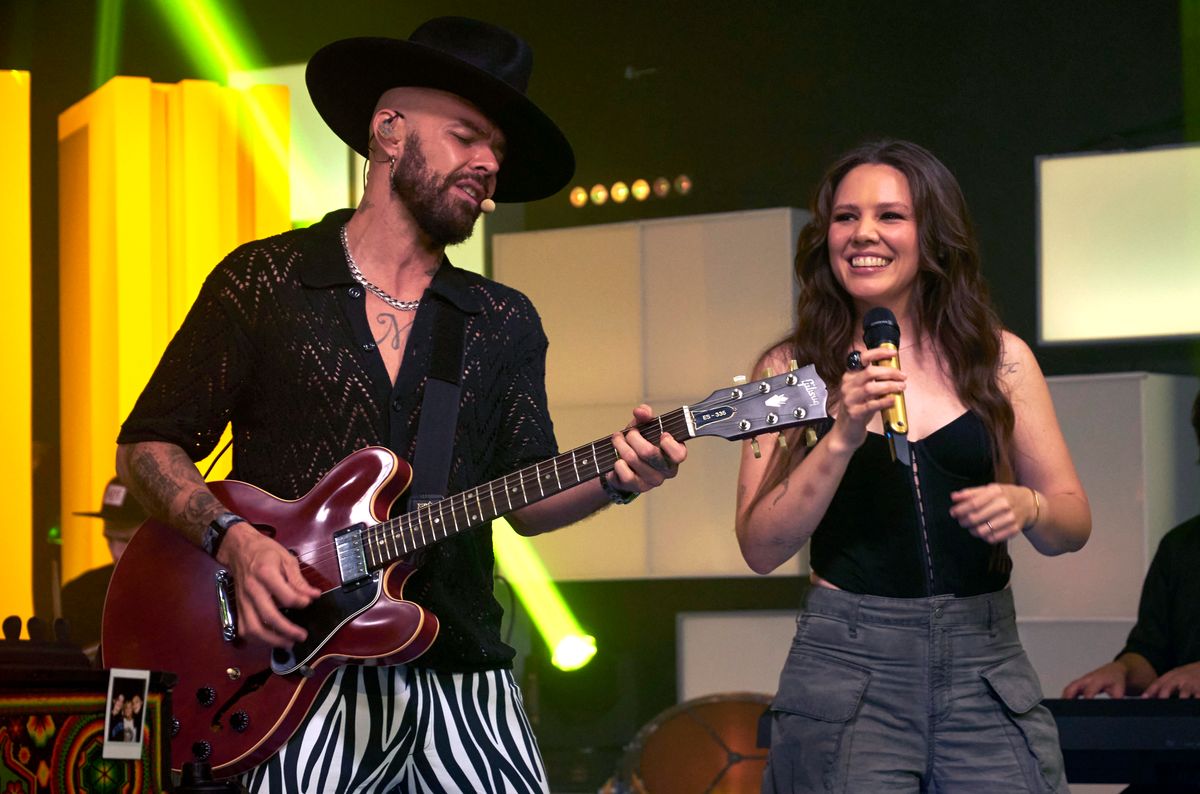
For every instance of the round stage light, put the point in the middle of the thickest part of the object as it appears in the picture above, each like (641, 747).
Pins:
(640, 189)
(619, 192)
(683, 184)
(573, 651)
(599, 194)
(662, 186)
(578, 197)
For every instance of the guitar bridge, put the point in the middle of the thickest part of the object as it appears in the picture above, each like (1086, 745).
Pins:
(351, 555)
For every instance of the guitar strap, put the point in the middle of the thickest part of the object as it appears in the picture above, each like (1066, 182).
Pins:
(439, 409)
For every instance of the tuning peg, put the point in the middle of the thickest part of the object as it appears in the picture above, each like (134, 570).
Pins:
(738, 380)
(768, 372)
(754, 446)
(810, 437)
(781, 439)
(792, 365)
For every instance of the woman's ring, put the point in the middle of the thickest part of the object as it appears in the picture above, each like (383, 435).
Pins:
(854, 361)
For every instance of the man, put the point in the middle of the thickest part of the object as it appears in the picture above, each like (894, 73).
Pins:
(1161, 658)
(317, 342)
(83, 596)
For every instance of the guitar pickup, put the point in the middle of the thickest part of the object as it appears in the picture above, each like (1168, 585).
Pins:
(351, 555)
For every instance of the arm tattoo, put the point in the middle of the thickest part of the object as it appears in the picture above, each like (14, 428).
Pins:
(159, 480)
(1007, 367)
(153, 486)
(200, 508)
(392, 329)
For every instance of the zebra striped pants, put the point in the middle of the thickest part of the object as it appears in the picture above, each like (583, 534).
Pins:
(406, 729)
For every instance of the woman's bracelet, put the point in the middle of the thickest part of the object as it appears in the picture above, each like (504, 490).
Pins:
(1037, 509)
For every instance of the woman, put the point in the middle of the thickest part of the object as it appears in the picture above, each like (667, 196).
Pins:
(906, 673)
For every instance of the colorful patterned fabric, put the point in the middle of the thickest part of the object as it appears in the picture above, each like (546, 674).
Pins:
(54, 743)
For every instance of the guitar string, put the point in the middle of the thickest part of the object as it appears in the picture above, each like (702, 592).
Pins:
(395, 529)
(408, 525)
(527, 480)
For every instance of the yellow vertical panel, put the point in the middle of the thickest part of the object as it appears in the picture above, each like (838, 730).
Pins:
(226, 184)
(158, 311)
(133, 258)
(74, 234)
(199, 165)
(16, 533)
(95, 333)
(78, 133)
(105, 251)
(153, 192)
(266, 189)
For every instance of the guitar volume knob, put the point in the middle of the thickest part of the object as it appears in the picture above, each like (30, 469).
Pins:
(202, 751)
(206, 696)
(239, 721)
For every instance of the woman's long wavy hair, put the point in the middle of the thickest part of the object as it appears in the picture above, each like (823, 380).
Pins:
(953, 306)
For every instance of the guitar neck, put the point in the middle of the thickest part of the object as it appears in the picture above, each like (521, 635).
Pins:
(387, 542)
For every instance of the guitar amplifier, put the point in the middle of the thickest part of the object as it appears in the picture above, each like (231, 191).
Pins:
(1129, 740)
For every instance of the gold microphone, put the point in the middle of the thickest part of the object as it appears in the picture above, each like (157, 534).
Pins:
(880, 329)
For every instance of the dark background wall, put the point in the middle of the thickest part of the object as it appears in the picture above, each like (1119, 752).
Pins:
(750, 100)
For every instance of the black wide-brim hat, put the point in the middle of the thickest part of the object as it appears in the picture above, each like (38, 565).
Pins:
(482, 63)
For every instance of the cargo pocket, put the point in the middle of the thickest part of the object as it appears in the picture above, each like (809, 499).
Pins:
(1015, 684)
(812, 723)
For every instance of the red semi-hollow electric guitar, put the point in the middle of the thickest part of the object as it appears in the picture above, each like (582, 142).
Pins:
(171, 607)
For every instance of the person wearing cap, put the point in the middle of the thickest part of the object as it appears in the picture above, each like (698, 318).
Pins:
(83, 596)
(317, 342)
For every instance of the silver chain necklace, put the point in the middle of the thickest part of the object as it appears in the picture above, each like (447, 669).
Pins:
(404, 306)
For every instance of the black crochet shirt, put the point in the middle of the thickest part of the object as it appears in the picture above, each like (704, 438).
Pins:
(278, 343)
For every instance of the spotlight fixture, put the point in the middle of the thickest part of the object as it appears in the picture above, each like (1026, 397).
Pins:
(640, 189)
(599, 194)
(683, 184)
(662, 186)
(578, 197)
(619, 192)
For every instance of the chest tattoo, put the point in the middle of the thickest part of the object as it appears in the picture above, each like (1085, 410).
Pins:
(391, 331)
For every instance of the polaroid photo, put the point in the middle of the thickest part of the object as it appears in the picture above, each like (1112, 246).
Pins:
(124, 712)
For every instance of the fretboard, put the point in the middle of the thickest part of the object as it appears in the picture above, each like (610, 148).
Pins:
(387, 542)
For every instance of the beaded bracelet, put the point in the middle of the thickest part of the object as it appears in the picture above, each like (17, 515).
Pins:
(1037, 509)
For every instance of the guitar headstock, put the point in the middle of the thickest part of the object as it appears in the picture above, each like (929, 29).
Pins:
(762, 406)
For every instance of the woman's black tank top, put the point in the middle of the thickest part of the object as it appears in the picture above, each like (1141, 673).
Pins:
(876, 540)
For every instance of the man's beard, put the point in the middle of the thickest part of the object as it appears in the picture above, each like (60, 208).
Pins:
(444, 219)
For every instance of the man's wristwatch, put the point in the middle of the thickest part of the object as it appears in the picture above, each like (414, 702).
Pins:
(615, 494)
(215, 532)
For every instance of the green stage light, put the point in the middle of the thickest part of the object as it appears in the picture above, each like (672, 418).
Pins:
(573, 652)
(108, 41)
(216, 39)
(571, 647)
